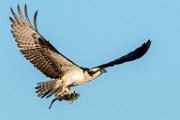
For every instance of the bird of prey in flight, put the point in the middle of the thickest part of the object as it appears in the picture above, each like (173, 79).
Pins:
(63, 72)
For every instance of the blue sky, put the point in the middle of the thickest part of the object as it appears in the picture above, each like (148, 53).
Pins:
(92, 32)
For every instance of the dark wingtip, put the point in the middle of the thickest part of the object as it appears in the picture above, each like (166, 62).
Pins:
(25, 7)
(148, 44)
(35, 20)
(11, 19)
(144, 48)
(18, 6)
(11, 10)
(37, 87)
(36, 12)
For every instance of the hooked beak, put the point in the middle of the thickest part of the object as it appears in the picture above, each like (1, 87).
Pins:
(104, 70)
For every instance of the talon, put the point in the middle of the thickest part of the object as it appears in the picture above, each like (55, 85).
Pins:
(60, 95)
(73, 91)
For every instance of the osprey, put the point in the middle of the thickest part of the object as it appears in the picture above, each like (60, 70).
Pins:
(63, 72)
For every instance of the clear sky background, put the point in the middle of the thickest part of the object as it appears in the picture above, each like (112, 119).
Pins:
(92, 32)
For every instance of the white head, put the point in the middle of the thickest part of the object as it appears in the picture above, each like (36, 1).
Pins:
(94, 73)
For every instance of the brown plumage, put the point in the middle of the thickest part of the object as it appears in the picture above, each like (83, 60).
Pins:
(36, 49)
(39, 52)
(46, 88)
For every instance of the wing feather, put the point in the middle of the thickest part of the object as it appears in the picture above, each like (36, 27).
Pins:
(26, 15)
(35, 20)
(36, 49)
(21, 15)
(136, 54)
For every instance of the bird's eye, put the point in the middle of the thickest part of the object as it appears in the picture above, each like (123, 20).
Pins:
(91, 72)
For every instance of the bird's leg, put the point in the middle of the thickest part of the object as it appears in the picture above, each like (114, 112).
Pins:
(61, 94)
(69, 92)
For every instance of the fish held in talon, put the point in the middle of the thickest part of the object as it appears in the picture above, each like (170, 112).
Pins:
(66, 97)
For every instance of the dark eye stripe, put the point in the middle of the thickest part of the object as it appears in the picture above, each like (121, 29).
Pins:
(91, 73)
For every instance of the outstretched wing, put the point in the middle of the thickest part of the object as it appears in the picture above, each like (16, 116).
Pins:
(139, 52)
(36, 49)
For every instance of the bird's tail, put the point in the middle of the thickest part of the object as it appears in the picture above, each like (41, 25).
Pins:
(47, 89)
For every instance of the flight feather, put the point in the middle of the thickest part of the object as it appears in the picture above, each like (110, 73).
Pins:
(136, 54)
(36, 49)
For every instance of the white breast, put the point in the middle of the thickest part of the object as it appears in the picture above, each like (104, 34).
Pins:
(74, 77)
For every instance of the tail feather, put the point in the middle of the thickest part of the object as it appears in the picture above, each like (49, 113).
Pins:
(53, 92)
(46, 89)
